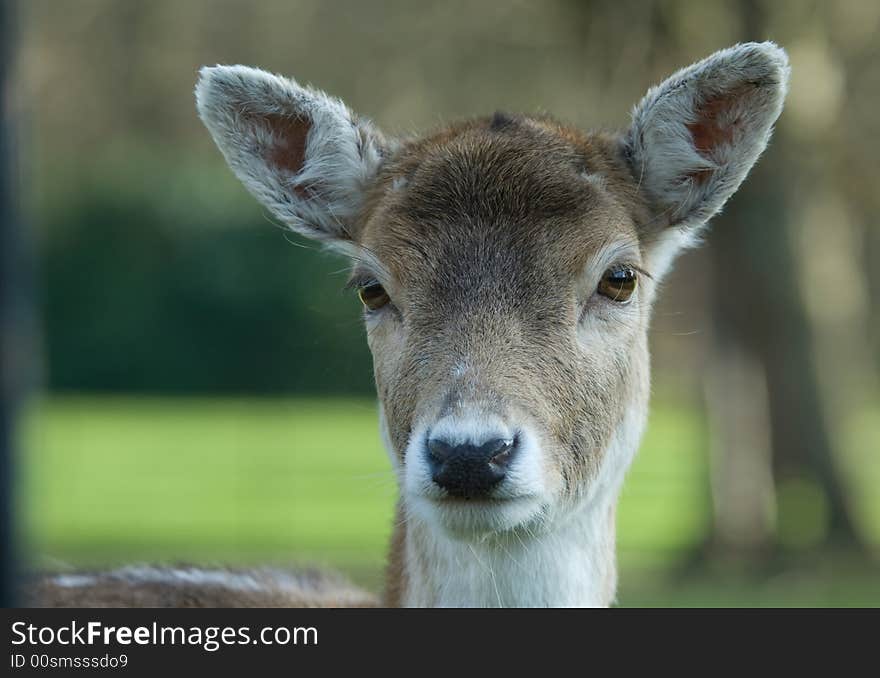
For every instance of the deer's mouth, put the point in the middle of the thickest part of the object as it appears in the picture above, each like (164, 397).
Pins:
(468, 518)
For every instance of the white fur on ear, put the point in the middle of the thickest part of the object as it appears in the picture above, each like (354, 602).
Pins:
(301, 153)
(695, 137)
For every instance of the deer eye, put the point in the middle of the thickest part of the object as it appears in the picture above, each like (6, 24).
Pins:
(618, 284)
(373, 296)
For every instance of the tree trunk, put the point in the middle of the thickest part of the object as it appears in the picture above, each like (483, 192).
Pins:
(761, 324)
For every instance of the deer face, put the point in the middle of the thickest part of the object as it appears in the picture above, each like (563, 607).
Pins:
(507, 323)
(507, 267)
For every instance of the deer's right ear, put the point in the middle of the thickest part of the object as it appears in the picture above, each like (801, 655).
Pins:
(301, 153)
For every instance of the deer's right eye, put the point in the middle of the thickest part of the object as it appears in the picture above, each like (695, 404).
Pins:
(373, 296)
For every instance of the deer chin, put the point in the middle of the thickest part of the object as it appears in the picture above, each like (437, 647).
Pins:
(477, 519)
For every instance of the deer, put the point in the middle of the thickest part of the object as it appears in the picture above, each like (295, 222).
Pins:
(507, 266)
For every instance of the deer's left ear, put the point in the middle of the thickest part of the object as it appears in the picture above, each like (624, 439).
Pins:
(695, 136)
(301, 153)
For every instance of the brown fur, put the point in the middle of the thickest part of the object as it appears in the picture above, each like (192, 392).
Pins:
(492, 231)
(395, 575)
(486, 242)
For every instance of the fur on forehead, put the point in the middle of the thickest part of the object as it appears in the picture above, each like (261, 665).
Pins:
(517, 162)
(529, 181)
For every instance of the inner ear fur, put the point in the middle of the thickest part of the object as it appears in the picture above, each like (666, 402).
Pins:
(695, 136)
(301, 153)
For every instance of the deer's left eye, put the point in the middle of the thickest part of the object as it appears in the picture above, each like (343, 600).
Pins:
(618, 284)
(373, 296)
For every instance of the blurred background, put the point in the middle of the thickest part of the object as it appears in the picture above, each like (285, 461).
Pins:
(199, 387)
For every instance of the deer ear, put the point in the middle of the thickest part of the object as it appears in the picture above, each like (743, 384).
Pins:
(695, 136)
(301, 153)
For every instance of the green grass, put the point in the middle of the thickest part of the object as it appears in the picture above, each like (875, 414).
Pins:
(116, 480)
(113, 480)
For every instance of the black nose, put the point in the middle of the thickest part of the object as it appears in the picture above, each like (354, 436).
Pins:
(469, 471)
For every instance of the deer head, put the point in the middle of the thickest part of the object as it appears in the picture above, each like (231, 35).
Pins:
(507, 266)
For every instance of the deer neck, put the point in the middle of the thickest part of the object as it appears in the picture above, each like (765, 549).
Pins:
(570, 565)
